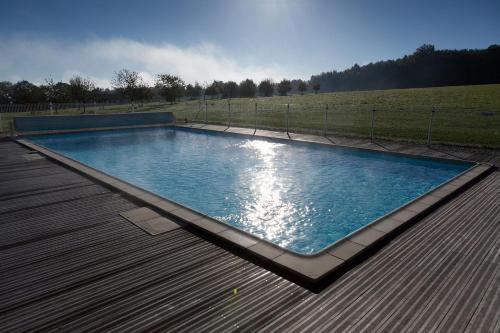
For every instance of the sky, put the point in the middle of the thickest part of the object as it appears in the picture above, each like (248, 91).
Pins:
(228, 39)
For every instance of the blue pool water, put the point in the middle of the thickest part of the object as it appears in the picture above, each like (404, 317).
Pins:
(300, 196)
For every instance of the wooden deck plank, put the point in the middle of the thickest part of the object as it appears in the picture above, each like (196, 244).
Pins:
(71, 262)
(486, 315)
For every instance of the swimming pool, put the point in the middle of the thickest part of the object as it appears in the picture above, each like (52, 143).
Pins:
(300, 196)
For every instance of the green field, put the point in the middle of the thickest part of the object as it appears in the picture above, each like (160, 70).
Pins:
(463, 113)
(466, 115)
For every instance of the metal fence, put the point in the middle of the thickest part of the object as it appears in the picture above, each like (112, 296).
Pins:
(9, 111)
(416, 124)
(423, 125)
(54, 107)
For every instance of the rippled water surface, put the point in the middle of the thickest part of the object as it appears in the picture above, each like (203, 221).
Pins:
(300, 196)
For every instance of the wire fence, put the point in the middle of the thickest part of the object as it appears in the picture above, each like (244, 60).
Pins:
(9, 111)
(422, 125)
(416, 124)
(54, 107)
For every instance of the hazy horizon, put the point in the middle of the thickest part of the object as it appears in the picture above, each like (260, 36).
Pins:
(228, 40)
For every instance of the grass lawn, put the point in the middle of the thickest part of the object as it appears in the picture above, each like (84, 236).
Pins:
(463, 113)
(466, 115)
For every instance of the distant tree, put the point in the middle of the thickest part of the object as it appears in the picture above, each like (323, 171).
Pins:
(100, 94)
(49, 89)
(220, 85)
(266, 87)
(247, 88)
(316, 86)
(213, 89)
(197, 90)
(302, 86)
(171, 87)
(144, 93)
(5, 92)
(193, 92)
(189, 91)
(56, 92)
(425, 49)
(62, 92)
(284, 87)
(230, 89)
(81, 89)
(25, 92)
(426, 67)
(131, 84)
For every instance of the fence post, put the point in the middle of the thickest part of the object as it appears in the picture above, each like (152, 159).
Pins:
(206, 109)
(287, 111)
(325, 125)
(229, 110)
(429, 131)
(255, 116)
(373, 125)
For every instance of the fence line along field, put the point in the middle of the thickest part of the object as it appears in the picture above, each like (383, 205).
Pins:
(465, 115)
(69, 109)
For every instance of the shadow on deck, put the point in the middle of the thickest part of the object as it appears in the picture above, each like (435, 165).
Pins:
(71, 262)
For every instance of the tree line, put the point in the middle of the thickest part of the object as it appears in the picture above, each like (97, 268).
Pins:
(129, 86)
(426, 67)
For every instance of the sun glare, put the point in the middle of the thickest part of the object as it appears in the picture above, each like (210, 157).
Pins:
(268, 209)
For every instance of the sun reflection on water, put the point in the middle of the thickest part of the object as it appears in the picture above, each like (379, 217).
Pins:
(266, 209)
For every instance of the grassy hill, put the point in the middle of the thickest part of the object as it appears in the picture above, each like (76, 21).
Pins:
(466, 115)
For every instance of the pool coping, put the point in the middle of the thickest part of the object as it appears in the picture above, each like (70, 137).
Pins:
(287, 136)
(90, 129)
(311, 268)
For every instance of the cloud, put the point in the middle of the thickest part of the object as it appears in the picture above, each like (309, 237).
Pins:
(35, 59)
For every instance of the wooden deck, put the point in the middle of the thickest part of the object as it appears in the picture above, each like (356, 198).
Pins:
(70, 262)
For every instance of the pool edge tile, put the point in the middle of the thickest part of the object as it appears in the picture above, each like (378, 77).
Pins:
(429, 199)
(418, 206)
(404, 214)
(311, 267)
(165, 205)
(266, 250)
(346, 250)
(186, 214)
(237, 237)
(149, 198)
(388, 225)
(367, 236)
(210, 225)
